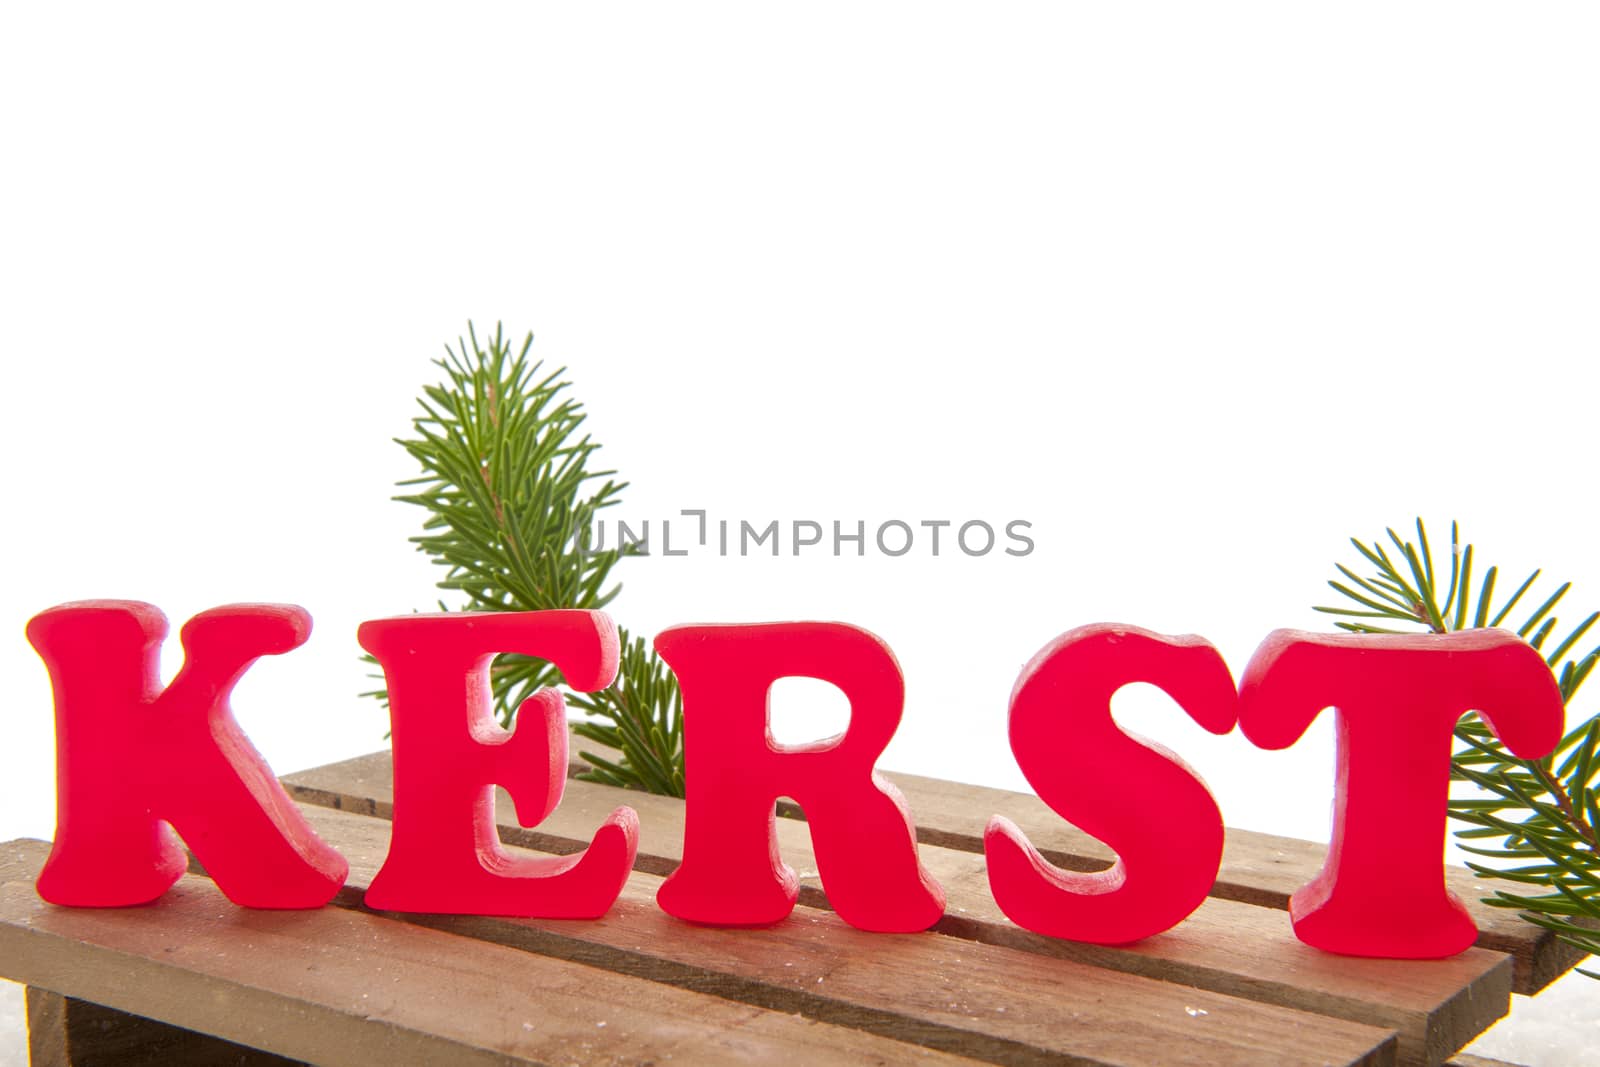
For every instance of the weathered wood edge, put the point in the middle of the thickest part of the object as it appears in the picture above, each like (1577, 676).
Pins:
(1260, 869)
(70, 1032)
(1228, 948)
(1470, 1060)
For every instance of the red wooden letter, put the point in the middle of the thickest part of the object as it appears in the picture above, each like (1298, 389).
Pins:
(734, 773)
(1396, 700)
(1131, 793)
(132, 758)
(445, 854)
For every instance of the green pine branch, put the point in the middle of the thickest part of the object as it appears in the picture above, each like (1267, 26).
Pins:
(1539, 820)
(510, 500)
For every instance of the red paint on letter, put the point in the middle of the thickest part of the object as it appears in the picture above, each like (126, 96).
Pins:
(734, 773)
(1131, 793)
(1396, 700)
(135, 762)
(445, 854)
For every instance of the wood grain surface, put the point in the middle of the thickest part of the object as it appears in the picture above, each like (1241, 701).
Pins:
(338, 986)
(982, 1001)
(1229, 948)
(66, 1032)
(1260, 869)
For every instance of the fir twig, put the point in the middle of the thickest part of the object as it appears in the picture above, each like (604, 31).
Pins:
(1541, 817)
(510, 501)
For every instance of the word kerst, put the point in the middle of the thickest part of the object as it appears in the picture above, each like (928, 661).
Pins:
(137, 762)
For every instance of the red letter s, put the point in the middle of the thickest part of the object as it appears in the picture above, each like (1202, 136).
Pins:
(1134, 795)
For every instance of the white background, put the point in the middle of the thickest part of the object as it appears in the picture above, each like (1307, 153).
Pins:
(1200, 290)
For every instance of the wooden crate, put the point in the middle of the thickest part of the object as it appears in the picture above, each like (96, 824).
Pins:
(344, 985)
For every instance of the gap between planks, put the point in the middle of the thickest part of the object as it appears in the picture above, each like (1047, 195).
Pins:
(338, 986)
(1226, 947)
(985, 1002)
(1260, 869)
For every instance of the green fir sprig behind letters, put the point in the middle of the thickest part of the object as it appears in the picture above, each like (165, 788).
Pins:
(510, 498)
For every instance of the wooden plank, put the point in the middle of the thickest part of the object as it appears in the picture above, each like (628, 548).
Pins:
(1257, 868)
(66, 1032)
(986, 1002)
(336, 986)
(47, 1029)
(1226, 947)
(1260, 869)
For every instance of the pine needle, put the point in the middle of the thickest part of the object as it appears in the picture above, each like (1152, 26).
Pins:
(510, 500)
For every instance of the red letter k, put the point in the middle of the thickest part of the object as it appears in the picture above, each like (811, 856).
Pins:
(132, 758)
